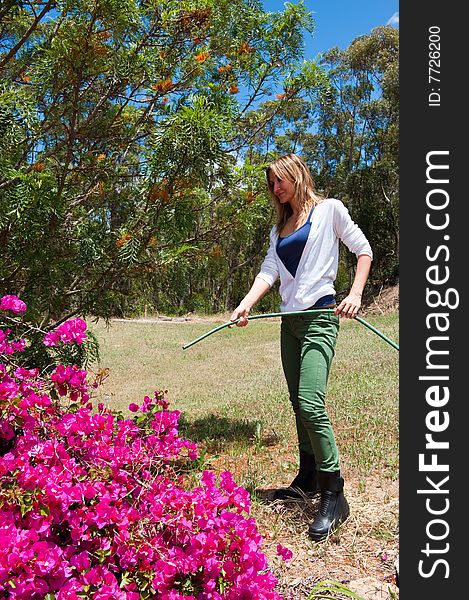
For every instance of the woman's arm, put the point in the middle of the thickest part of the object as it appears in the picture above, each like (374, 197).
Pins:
(350, 305)
(258, 290)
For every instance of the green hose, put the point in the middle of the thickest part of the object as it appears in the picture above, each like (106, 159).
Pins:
(282, 314)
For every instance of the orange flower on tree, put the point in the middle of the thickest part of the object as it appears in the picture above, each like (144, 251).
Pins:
(233, 89)
(163, 86)
(157, 192)
(216, 251)
(123, 240)
(202, 57)
(245, 48)
(38, 167)
(100, 50)
(153, 193)
(104, 35)
(100, 157)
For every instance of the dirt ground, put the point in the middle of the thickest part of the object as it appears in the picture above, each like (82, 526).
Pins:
(361, 554)
(383, 301)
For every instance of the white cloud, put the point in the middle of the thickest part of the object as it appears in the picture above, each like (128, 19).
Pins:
(394, 20)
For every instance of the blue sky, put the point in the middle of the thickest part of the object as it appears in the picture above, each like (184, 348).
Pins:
(338, 22)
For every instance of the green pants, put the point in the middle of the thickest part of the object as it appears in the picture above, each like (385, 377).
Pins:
(307, 348)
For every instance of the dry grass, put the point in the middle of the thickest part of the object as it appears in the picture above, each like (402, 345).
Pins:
(231, 392)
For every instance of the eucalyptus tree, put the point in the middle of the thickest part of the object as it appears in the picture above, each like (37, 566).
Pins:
(122, 127)
(357, 148)
(349, 135)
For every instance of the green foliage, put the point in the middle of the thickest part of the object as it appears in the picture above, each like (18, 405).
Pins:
(121, 126)
(348, 132)
(357, 147)
(190, 144)
(46, 358)
(325, 588)
(134, 138)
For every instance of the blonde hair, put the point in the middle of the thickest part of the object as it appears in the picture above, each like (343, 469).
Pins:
(294, 169)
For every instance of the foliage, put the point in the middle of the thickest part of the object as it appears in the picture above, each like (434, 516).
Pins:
(121, 125)
(349, 136)
(326, 588)
(356, 152)
(94, 505)
(134, 137)
(42, 349)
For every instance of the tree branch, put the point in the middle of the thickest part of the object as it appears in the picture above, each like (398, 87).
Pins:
(48, 6)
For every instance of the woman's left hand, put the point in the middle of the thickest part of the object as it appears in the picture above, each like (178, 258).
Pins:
(349, 306)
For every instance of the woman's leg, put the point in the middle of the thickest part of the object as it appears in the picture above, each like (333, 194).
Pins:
(319, 335)
(290, 345)
(317, 352)
(305, 481)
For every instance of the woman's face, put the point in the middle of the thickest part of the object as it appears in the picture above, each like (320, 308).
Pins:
(282, 188)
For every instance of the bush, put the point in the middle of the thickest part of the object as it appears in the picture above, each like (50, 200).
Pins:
(95, 505)
(43, 349)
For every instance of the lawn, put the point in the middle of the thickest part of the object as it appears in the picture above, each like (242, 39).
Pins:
(232, 395)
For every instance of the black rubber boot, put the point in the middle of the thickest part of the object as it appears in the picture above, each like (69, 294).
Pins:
(333, 507)
(304, 484)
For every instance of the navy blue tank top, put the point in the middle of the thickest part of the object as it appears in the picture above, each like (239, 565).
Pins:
(290, 248)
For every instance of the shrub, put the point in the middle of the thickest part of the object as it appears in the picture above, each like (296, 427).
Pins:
(43, 349)
(94, 505)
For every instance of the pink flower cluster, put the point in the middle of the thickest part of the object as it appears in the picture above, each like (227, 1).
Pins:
(71, 330)
(10, 346)
(71, 381)
(12, 303)
(95, 506)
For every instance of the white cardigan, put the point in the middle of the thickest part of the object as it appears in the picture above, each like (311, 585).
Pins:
(317, 269)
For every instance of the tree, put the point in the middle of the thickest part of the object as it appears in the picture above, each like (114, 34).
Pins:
(349, 136)
(121, 123)
(357, 146)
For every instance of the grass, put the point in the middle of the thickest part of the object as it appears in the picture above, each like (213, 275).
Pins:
(233, 400)
(231, 390)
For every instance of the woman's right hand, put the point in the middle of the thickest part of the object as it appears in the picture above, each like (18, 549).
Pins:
(241, 313)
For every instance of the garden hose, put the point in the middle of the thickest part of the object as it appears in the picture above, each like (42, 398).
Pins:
(283, 314)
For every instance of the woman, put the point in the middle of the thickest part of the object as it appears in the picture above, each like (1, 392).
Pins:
(304, 253)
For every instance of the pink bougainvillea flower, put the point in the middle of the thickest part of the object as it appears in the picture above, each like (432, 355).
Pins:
(10, 347)
(12, 303)
(70, 331)
(97, 504)
(6, 430)
(25, 374)
(284, 553)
